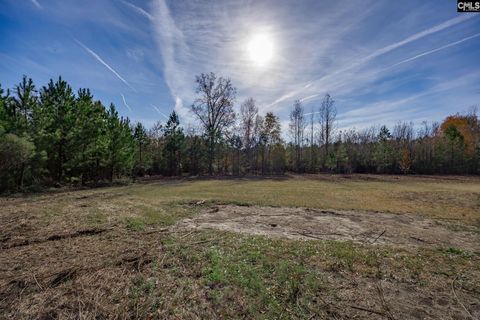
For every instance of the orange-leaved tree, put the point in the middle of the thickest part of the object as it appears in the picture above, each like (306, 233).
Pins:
(463, 129)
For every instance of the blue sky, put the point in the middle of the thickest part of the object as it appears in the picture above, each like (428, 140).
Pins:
(382, 61)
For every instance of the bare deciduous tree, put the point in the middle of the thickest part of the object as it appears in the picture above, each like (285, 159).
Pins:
(270, 136)
(248, 113)
(257, 137)
(403, 132)
(214, 108)
(297, 130)
(312, 144)
(327, 116)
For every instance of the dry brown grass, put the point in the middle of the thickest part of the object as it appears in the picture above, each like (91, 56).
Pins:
(117, 253)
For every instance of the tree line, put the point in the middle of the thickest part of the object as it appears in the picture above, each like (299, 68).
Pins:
(51, 136)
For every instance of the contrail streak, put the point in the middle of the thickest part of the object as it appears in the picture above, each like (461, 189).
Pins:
(37, 4)
(435, 50)
(139, 10)
(125, 102)
(419, 35)
(99, 59)
(159, 112)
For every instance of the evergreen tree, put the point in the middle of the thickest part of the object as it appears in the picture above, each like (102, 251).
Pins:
(383, 150)
(22, 106)
(4, 120)
(58, 137)
(141, 144)
(120, 145)
(88, 143)
(174, 143)
(53, 124)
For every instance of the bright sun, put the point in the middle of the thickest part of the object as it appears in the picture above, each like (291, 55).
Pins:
(260, 49)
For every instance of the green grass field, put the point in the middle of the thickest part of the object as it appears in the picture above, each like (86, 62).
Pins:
(118, 252)
(455, 198)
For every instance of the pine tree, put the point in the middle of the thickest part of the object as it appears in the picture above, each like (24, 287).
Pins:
(88, 143)
(141, 144)
(23, 104)
(120, 145)
(53, 125)
(174, 143)
(383, 150)
(4, 119)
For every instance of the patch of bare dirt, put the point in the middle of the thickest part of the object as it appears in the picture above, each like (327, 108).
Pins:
(360, 227)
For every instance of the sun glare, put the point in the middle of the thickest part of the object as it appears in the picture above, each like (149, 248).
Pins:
(260, 49)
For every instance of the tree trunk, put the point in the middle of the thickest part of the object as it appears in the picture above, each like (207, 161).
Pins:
(211, 151)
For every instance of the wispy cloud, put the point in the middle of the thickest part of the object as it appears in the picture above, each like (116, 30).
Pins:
(370, 61)
(319, 83)
(125, 102)
(394, 109)
(171, 42)
(99, 59)
(351, 60)
(36, 4)
(138, 10)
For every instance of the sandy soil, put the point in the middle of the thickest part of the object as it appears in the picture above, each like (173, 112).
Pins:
(360, 227)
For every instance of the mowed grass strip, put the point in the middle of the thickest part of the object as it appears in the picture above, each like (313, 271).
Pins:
(455, 201)
(450, 199)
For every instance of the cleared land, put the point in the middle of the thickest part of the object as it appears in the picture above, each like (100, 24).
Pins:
(308, 247)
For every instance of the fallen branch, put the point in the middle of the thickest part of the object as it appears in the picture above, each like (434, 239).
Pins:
(36, 281)
(381, 234)
(418, 239)
(386, 308)
(186, 235)
(317, 237)
(368, 310)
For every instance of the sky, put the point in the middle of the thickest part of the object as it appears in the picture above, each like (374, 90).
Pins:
(382, 61)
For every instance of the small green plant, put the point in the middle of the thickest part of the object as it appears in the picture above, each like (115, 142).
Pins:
(135, 224)
(143, 285)
(455, 250)
(213, 272)
(344, 254)
(459, 252)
